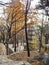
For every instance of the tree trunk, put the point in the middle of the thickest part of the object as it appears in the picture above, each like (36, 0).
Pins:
(15, 39)
(7, 47)
(28, 52)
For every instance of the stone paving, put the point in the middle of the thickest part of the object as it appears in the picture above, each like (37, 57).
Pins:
(5, 61)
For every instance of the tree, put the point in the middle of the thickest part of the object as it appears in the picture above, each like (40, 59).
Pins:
(16, 17)
(2, 36)
(13, 17)
(44, 29)
(26, 12)
(42, 33)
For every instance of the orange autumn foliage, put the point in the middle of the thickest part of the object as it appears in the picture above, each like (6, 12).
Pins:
(16, 14)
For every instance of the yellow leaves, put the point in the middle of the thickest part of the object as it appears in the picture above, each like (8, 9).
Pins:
(16, 8)
(18, 27)
(16, 2)
(17, 15)
(18, 18)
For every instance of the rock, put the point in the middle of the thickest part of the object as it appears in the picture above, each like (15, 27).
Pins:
(5, 61)
(39, 57)
(45, 60)
(46, 56)
(2, 49)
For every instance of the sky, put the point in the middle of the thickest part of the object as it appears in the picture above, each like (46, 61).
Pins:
(1, 7)
(5, 1)
(33, 4)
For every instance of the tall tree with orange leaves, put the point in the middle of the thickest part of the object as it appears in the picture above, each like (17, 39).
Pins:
(15, 16)
(17, 19)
